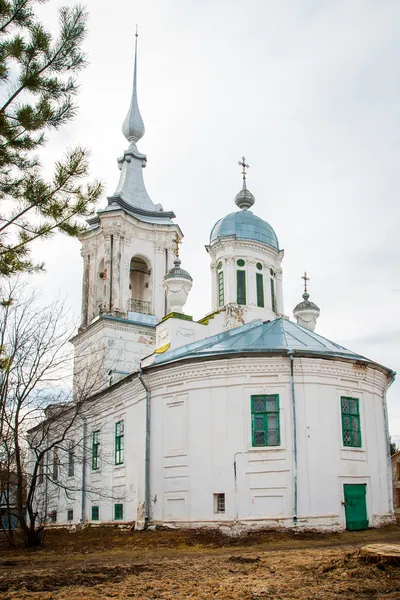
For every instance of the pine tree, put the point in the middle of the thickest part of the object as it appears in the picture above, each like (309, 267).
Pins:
(38, 86)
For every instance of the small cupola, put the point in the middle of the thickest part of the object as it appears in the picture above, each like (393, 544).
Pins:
(177, 284)
(306, 313)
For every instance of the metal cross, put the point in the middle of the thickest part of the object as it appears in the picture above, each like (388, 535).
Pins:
(305, 280)
(245, 166)
(177, 241)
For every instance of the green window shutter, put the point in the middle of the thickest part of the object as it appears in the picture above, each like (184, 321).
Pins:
(260, 290)
(118, 512)
(95, 450)
(351, 429)
(220, 288)
(241, 287)
(119, 443)
(273, 298)
(95, 513)
(265, 421)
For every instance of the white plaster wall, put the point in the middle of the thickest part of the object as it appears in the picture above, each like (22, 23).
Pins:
(213, 401)
(201, 427)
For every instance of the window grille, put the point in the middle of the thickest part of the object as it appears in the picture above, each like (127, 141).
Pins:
(265, 420)
(351, 430)
(260, 290)
(118, 512)
(273, 298)
(70, 514)
(119, 443)
(95, 513)
(220, 288)
(95, 450)
(219, 503)
(241, 287)
(71, 460)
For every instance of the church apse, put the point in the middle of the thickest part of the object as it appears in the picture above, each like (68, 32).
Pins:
(140, 286)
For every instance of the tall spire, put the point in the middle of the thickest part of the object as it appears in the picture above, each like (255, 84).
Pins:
(133, 126)
(244, 199)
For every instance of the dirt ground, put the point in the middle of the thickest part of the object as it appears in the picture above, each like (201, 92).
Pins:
(104, 563)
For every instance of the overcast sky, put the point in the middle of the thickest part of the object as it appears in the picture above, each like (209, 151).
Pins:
(308, 91)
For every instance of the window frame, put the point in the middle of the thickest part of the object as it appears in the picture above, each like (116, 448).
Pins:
(119, 445)
(220, 281)
(71, 461)
(120, 510)
(351, 415)
(219, 503)
(241, 272)
(95, 508)
(70, 513)
(273, 295)
(260, 290)
(96, 450)
(265, 414)
(56, 465)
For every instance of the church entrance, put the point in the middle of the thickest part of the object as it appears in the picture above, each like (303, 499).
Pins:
(355, 505)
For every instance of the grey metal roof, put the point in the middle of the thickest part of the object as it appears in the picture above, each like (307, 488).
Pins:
(275, 337)
(246, 226)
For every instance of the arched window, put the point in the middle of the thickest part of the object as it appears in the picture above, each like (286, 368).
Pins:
(241, 287)
(260, 289)
(273, 296)
(220, 288)
(139, 285)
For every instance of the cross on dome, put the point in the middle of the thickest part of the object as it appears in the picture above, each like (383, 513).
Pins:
(245, 166)
(305, 280)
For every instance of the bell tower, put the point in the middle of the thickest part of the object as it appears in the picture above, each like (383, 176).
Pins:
(127, 250)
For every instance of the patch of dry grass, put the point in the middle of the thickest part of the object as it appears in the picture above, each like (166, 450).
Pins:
(103, 564)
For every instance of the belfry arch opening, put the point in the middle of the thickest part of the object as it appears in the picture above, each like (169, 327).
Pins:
(140, 286)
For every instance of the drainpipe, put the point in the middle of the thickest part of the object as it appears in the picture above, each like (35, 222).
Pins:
(294, 441)
(147, 453)
(83, 500)
(388, 455)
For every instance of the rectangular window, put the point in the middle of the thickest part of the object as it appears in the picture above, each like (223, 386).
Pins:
(265, 420)
(95, 450)
(119, 443)
(41, 470)
(118, 512)
(351, 422)
(219, 503)
(273, 298)
(71, 459)
(95, 513)
(55, 464)
(53, 516)
(260, 290)
(220, 288)
(70, 514)
(241, 287)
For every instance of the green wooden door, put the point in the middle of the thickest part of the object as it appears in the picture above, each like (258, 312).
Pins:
(355, 506)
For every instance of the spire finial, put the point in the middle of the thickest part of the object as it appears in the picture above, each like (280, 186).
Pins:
(305, 280)
(244, 199)
(244, 166)
(133, 126)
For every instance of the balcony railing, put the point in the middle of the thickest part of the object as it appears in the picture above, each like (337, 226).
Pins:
(140, 306)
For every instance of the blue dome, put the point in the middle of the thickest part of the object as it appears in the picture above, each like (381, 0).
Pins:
(244, 225)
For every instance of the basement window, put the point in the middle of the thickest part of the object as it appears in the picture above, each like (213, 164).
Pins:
(219, 503)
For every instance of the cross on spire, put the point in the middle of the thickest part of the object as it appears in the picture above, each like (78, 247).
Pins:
(177, 241)
(244, 166)
(305, 280)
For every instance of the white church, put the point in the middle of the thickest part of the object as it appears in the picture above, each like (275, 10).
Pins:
(244, 419)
